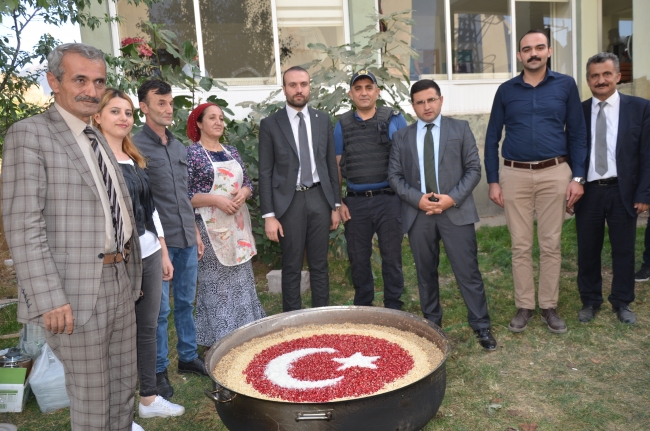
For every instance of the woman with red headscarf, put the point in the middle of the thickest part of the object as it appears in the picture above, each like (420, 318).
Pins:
(218, 188)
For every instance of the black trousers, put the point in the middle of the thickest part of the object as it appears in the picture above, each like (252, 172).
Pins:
(306, 226)
(378, 214)
(597, 205)
(460, 244)
(646, 244)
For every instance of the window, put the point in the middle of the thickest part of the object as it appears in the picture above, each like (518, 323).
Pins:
(237, 36)
(481, 39)
(238, 43)
(428, 37)
(617, 34)
(175, 15)
(555, 18)
(301, 23)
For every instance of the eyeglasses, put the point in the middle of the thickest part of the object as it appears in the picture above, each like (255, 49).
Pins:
(430, 101)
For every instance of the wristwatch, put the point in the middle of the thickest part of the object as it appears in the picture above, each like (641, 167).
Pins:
(579, 180)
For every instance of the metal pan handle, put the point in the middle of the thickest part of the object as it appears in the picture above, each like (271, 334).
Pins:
(314, 416)
(218, 395)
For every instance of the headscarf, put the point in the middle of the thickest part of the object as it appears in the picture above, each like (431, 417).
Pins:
(193, 131)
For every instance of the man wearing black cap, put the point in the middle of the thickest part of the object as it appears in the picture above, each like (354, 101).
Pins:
(362, 141)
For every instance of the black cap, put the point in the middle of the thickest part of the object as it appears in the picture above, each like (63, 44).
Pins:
(363, 73)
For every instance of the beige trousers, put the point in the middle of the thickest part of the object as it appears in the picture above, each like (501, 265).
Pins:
(526, 194)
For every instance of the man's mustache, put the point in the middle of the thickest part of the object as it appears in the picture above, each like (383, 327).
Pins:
(602, 85)
(534, 58)
(86, 99)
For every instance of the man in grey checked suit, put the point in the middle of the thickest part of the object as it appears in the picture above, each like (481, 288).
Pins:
(299, 188)
(72, 278)
(434, 167)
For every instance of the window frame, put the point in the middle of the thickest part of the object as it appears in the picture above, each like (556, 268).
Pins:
(115, 37)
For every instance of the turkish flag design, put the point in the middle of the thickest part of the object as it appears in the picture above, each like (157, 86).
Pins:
(322, 368)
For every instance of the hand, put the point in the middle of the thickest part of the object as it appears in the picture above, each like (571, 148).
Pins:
(425, 204)
(200, 247)
(495, 194)
(573, 193)
(444, 202)
(226, 205)
(336, 220)
(641, 208)
(272, 226)
(240, 195)
(59, 319)
(344, 212)
(570, 211)
(168, 268)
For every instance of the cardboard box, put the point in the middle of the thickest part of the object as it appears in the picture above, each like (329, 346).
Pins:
(14, 390)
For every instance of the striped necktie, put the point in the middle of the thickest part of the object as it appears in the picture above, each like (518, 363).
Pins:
(118, 225)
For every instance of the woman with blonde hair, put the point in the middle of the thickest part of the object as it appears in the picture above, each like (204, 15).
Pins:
(115, 121)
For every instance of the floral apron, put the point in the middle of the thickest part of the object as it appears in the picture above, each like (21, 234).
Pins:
(231, 236)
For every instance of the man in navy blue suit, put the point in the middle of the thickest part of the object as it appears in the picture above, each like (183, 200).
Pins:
(617, 188)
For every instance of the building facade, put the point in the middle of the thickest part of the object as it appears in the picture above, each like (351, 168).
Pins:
(468, 46)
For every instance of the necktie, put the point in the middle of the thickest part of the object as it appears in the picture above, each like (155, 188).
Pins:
(306, 178)
(601, 140)
(118, 225)
(429, 162)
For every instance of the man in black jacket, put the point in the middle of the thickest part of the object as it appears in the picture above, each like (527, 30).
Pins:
(299, 188)
(617, 188)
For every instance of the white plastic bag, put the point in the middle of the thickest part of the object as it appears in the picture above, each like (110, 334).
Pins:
(48, 382)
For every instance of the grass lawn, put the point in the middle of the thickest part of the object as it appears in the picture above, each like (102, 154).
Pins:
(595, 377)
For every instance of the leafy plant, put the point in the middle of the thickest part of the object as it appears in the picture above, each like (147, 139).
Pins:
(19, 70)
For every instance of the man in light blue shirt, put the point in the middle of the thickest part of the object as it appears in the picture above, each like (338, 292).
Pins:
(434, 167)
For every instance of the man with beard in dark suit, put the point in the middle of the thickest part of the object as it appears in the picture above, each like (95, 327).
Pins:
(299, 188)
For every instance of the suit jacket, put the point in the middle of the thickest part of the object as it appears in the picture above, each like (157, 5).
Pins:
(279, 162)
(459, 171)
(632, 150)
(54, 221)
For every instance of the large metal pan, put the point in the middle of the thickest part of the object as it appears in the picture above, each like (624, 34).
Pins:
(406, 409)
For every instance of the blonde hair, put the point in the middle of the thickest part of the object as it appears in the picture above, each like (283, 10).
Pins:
(127, 144)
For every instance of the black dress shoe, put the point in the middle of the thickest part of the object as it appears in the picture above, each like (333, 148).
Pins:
(163, 386)
(587, 313)
(625, 315)
(486, 339)
(196, 366)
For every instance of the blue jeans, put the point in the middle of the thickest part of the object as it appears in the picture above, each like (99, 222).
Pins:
(185, 264)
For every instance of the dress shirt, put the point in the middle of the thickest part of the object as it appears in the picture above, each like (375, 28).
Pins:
(396, 122)
(421, 131)
(295, 124)
(167, 170)
(611, 111)
(535, 119)
(77, 128)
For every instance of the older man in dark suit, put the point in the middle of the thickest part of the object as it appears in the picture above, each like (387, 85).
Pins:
(617, 188)
(299, 188)
(68, 222)
(434, 167)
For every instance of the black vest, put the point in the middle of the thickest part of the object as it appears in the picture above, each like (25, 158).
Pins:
(367, 147)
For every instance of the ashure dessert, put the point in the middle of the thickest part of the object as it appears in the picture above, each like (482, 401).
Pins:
(322, 363)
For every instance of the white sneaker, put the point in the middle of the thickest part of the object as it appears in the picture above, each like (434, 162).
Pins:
(136, 427)
(160, 408)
